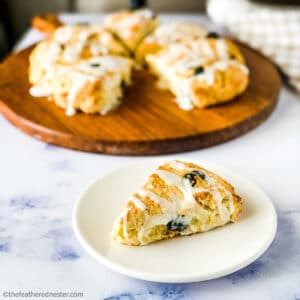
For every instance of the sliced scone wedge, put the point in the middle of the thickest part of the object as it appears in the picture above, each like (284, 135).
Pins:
(169, 33)
(201, 72)
(178, 198)
(93, 85)
(130, 27)
(67, 46)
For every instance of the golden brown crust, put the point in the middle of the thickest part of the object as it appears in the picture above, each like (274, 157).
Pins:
(227, 85)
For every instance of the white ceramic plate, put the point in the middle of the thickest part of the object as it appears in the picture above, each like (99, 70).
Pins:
(185, 259)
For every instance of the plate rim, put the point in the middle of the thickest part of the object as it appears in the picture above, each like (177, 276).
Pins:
(168, 278)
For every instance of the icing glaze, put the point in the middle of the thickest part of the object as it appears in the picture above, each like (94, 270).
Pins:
(38, 91)
(175, 32)
(222, 49)
(138, 203)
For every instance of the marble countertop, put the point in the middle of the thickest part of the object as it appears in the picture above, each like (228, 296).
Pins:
(40, 182)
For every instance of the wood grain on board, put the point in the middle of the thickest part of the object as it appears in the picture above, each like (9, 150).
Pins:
(148, 121)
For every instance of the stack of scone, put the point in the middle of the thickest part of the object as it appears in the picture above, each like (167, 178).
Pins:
(86, 67)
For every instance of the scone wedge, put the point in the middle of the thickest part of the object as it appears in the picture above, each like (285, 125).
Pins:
(94, 85)
(202, 72)
(68, 45)
(132, 26)
(167, 34)
(178, 198)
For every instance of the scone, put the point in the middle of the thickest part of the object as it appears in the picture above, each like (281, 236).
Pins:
(68, 45)
(132, 26)
(179, 198)
(92, 86)
(55, 69)
(201, 72)
(167, 34)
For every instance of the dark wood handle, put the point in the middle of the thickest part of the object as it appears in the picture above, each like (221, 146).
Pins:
(135, 4)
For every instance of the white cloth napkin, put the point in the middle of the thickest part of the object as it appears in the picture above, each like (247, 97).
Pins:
(272, 29)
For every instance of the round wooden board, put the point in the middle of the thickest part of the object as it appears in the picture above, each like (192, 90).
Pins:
(148, 121)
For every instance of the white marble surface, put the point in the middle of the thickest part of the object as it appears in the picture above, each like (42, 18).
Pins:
(40, 182)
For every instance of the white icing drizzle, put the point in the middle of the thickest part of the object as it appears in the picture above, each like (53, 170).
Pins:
(222, 49)
(166, 205)
(185, 101)
(183, 98)
(39, 91)
(64, 34)
(207, 49)
(169, 178)
(175, 32)
(175, 164)
(224, 214)
(75, 89)
(138, 203)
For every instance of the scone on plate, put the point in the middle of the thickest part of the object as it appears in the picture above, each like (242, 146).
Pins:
(201, 72)
(178, 198)
(94, 85)
(167, 34)
(131, 26)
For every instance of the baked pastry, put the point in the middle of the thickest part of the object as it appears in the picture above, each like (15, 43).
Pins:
(56, 69)
(167, 34)
(201, 72)
(200, 69)
(68, 45)
(131, 27)
(179, 198)
(93, 86)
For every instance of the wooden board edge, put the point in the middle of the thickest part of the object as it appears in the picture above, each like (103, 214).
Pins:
(140, 148)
